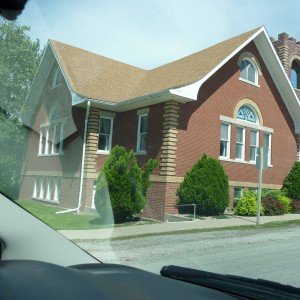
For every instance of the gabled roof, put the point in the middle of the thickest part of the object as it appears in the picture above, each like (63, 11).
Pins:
(116, 86)
(97, 77)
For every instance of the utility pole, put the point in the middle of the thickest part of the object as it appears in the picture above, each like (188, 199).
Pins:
(261, 164)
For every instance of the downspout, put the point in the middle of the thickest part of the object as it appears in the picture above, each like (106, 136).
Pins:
(82, 163)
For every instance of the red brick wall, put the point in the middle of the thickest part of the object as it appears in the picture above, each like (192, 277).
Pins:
(199, 123)
(125, 134)
(156, 201)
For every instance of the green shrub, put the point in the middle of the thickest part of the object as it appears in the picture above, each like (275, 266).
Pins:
(272, 206)
(295, 206)
(286, 202)
(122, 185)
(206, 185)
(247, 205)
(291, 184)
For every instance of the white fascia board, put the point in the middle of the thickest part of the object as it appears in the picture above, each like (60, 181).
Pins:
(191, 91)
(137, 102)
(280, 78)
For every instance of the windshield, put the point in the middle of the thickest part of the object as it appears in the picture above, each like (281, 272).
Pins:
(158, 132)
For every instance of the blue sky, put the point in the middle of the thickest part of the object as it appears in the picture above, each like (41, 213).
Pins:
(149, 33)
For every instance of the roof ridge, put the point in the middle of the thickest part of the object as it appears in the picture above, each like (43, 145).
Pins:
(95, 76)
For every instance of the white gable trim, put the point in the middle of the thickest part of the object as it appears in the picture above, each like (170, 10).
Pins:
(274, 66)
(191, 90)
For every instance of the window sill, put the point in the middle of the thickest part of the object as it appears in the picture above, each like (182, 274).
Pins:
(103, 152)
(49, 155)
(249, 82)
(240, 161)
(237, 161)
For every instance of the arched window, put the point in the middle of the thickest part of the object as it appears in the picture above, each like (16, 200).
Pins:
(248, 71)
(295, 75)
(247, 113)
(57, 78)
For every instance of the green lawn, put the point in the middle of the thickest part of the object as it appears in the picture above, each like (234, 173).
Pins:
(46, 213)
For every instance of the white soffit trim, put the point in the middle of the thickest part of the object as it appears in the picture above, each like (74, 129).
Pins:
(191, 90)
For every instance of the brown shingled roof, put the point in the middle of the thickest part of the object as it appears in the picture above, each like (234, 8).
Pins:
(97, 77)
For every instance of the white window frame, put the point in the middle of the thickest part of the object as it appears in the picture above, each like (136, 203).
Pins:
(46, 188)
(242, 143)
(235, 200)
(110, 135)
(255, 70)
(35, 188)
(46, 146)
(256, 145)
(269, 149)
(57, 78)
(56, 188)
(139, 134)
(228, 141)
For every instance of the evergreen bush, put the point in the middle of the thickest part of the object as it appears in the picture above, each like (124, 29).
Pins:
(206, 185)
(122, 185)
(291, 184)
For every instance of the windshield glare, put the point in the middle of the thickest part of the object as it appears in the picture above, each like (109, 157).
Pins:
(157, 133)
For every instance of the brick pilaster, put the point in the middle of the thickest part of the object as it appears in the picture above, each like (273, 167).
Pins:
(91, 143)
(169, 142)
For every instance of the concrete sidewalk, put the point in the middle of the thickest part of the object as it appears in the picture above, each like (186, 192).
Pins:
(135, 230)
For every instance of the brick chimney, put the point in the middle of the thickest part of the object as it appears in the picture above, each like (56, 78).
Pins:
(286, 47)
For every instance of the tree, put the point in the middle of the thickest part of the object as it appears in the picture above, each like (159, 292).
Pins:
(125, 183)
(206, 185)
(291, 184)
(19, 61)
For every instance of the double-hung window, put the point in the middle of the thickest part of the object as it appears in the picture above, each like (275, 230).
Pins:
(105, 134)
(52, 134)
(240, 143)
(225, 140)
(142, 133)
(267, 147)
(254, 136)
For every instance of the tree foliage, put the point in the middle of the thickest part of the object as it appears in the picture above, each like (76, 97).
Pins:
(19, 61)
(291, 184)
(124, 182)
(206, 185)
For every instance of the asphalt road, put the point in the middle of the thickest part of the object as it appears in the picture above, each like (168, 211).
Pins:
(272, 254)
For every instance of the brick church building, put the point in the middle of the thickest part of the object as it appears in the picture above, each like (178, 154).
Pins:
(225, 101)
